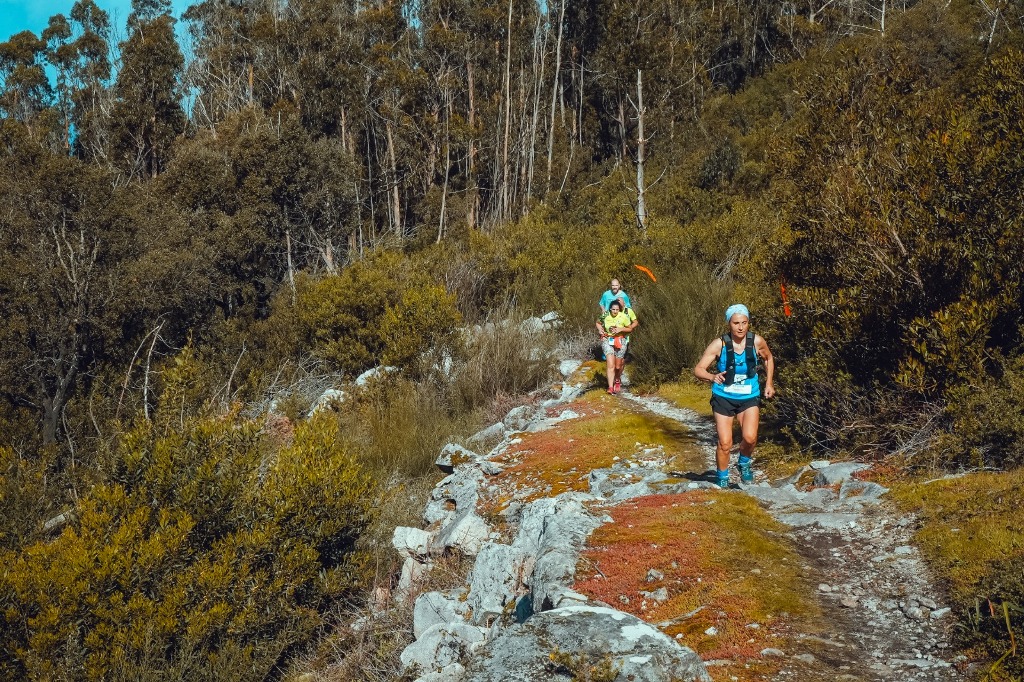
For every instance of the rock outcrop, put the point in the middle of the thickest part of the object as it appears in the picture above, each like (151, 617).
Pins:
(518, 607)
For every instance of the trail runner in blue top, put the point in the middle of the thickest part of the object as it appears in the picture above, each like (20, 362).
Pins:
(735, 388)
(614, 292)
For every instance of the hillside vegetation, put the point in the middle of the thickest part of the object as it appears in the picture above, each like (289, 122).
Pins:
(321, 188)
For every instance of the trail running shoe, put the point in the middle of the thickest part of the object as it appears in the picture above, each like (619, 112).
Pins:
(611, 391)
(723, 482)
(746, 472)
(618, 387)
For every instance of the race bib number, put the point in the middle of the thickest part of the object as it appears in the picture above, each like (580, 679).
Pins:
(738, 387)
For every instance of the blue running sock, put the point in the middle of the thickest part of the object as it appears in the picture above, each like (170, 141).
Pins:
(745, 460)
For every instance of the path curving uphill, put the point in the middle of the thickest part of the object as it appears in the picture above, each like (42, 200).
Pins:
(600, 550)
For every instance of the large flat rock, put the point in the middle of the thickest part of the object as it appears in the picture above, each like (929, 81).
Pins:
(641, 652)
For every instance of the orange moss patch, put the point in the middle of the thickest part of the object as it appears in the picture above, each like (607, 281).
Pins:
(561, 458)
(724, 563)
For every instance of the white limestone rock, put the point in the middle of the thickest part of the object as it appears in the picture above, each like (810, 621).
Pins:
(452, 455)
(467, 532)
(326, 399)
(494, 581)
(449, 673)
(643, 653)
(434, 608)
(412, 542)
(837, 473)
(370, 374)
(440, 646)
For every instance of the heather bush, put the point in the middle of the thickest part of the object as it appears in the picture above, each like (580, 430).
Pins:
(397, 426)
(987, 421)
(26, 497)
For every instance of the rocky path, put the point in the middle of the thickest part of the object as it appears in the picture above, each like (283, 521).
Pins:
(551, 480)
(883, 618)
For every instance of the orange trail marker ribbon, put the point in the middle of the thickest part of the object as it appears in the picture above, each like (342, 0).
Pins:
(646, 272)
(785, 299)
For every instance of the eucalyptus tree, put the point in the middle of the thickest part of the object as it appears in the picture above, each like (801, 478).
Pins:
(147, 114)
(79, 51)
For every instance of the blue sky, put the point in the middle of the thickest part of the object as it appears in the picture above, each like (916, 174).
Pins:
(33, 15)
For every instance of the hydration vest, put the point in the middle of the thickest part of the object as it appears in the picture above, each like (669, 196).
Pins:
(753, 361)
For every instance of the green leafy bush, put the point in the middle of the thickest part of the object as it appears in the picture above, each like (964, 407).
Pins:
(380, 310)
(987, 420)
(208, 552)
(375, 311)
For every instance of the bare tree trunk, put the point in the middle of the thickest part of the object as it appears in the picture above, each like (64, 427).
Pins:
(53, 406)
(345, 141)
(145, 378)
(396, 206)
(504, 203)
(623, 151)
(641, 154)
(369, 183)
(291, 270)
(474, 194)
(579, 112)
(554, 93)
(447, 167)
(524, 127)
(539, 52)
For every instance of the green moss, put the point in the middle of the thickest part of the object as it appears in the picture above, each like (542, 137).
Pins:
(689, 394)
(971, 534)
(559, 459)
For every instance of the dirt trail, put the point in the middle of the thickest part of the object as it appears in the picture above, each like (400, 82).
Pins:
(882, 617)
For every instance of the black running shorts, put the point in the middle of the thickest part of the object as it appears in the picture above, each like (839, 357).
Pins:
(729, 407)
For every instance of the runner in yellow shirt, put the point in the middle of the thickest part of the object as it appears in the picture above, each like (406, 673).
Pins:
(614, 328)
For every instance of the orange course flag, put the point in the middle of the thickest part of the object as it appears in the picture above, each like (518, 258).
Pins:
(785, 300)
(646, 272)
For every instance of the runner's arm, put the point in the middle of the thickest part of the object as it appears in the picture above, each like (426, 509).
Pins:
(710, 356)
(769, 365)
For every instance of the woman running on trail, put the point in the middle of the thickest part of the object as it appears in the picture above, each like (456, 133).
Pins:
(614, 327)
(735, 388)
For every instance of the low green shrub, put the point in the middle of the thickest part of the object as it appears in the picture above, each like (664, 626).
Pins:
(987, 420)
(397, 426)
(208, 553)
(377, 311)
(501, 358)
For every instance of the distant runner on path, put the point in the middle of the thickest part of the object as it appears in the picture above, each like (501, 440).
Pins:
(735, 388)
(614, 292)
(614, 327)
